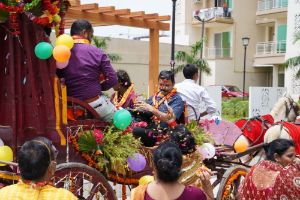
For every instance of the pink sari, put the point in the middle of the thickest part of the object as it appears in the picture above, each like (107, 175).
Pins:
(268, 180)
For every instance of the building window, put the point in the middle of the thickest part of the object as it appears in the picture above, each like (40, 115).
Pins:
(222, 44)
(178, 10)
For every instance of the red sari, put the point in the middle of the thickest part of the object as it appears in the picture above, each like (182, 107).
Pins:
(269, 181)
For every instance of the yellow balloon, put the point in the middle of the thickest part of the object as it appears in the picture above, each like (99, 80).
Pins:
(145, 180)
(240, 146)
(6, 154)
(66, 40)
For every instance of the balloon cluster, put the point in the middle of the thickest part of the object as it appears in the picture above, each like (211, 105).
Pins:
(61, 52)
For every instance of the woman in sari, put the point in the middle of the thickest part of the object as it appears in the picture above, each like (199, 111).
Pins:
(167, 165)
(124, 95)
(278, 177)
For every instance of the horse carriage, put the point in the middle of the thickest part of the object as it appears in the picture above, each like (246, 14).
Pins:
(33, 102)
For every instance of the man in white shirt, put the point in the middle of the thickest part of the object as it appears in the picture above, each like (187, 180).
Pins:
(193, 94)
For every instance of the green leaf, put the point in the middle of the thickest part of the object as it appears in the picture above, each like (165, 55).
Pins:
(87, 142)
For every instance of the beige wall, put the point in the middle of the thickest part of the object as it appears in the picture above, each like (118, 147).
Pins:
(135, 60)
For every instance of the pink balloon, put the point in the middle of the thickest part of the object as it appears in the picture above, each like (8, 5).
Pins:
(61, 65)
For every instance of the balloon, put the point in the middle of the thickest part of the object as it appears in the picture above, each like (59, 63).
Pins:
(61, 65)
(145, 180)
(122, 119)
(43, 50)
(136, 162)
(207, 150)
(240, 146)
(61, 53)
(65, 40)
(6, 154)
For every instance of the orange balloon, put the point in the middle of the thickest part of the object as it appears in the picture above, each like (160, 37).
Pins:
(61, 53)
(240, 146)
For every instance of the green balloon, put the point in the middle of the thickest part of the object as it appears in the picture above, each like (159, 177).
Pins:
(122, 119)
(43, 50)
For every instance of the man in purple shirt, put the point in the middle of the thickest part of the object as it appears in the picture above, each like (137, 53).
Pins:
(86, 64)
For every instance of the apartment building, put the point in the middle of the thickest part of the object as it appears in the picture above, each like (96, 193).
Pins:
(263, 21)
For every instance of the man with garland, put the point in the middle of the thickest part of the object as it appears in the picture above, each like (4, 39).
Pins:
(166, 107)
(82, 75)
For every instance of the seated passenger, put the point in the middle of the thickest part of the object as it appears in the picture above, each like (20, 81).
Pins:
(37, 164)
(166, 106)
(85, 66)
(124, 95)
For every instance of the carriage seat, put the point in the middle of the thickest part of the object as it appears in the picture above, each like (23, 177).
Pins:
(80, 110)
(7, 135)
(183, 119)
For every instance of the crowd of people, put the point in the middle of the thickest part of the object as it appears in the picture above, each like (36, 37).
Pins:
(278, 177)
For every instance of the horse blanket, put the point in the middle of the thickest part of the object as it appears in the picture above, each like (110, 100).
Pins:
(294, 132)
(255, 128)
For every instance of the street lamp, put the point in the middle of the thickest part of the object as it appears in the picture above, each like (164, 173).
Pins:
(201, 18)
(172, 63)
(245, 44)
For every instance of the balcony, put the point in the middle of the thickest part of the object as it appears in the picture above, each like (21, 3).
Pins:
(214, 16)
(270, 53)
(266, 7)
(217, 53)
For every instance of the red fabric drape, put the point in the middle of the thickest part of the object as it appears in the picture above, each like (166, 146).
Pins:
(26, 83)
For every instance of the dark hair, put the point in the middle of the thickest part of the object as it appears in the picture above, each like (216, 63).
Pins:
(189, 71)
(279, 146)
(123, 78)
(34, 158)
(79, 25)
(168, 160)
(168, 75)
(183, 138)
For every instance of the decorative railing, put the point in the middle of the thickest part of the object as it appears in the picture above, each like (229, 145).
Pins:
(269, 48)
(215, 12)
(265, 5)
(212, 52)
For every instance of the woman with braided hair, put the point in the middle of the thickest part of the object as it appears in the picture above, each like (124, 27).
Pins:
(124, 95)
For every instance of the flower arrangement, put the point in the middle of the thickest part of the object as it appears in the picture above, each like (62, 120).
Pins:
(107, 150)
(198, 133)
(48, 13)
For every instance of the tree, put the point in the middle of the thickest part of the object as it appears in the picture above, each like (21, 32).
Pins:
(101, 43)
(294, 61)
(192, 58)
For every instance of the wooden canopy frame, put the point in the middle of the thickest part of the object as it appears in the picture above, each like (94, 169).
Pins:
(103, 16)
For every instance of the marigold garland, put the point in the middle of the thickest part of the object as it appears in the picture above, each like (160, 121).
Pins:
(124, 98)
(230, 181)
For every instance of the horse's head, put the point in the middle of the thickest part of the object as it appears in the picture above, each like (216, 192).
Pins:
(285, 109)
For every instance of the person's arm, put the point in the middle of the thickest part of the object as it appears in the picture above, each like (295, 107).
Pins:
(209, 102)
(164, 117)
(108, 72)
(207, 187)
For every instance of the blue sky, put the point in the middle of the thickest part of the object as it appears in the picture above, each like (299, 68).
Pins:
(162, 7)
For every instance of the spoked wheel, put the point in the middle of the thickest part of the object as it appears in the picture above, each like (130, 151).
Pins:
(230, 182)
(83, 181)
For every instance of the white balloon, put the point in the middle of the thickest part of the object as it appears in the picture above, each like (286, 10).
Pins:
(207, 150)
(1, 143)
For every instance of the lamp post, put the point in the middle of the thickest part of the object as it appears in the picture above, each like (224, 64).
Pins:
(245, 44)
(172, 62)
(201, 18)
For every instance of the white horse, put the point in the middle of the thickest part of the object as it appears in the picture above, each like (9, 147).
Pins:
(284, 110)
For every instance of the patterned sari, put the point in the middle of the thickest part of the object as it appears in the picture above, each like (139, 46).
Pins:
(269, 181)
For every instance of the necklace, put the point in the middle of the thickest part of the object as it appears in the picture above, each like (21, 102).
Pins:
(80, 40)
(124, 98)
(156, 103)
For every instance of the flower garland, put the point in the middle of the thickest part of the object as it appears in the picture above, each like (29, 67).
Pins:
(156, 103)
(230, 181)
(124, 98)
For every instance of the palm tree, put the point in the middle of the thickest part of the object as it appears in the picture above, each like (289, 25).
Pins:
(294, 61)
(193, 57)
(101, 43)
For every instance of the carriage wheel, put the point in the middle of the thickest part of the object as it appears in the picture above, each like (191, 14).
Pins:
(83, 181)
(231, 181)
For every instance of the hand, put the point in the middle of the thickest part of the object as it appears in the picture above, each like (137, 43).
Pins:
(204, 174)
(144, 106)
